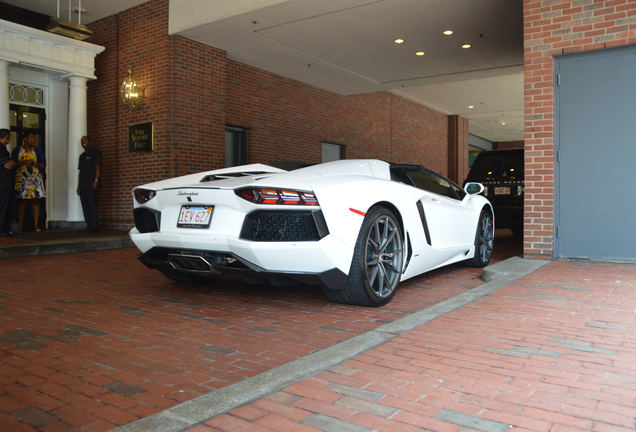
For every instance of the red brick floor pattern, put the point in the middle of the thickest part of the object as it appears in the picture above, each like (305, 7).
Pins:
(554, 351)
(95, 340)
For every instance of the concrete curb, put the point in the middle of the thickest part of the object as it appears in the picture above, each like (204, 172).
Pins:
(251, 389)
(510, 267)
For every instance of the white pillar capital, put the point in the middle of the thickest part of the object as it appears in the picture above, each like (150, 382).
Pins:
(77, 81)
(77, 112)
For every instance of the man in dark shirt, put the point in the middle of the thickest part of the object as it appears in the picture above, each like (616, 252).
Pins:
(7, 173)
(90, 163)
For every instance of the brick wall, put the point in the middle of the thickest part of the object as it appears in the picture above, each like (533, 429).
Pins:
(420, 135)
(197, 108)
(552, 28)
(193, 91)
(185, 95)
(288, 120)
(103, 116)
(136, 38)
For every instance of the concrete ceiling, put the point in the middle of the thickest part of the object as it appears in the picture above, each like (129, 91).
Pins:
(346, 46)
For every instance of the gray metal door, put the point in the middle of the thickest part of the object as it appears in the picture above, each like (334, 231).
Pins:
(596, 155)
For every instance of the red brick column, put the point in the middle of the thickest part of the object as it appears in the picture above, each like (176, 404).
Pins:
(552, 28)
(184, 85)
(457, 148)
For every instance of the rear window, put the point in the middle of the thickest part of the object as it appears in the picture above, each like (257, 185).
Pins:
(497, 166)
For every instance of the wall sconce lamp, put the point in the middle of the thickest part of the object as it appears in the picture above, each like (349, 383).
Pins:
(131, 92)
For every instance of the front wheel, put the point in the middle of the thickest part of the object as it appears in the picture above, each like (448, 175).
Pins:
(484, 240)
(376, 266)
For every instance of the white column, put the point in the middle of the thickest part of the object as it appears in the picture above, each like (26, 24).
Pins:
(4, 94)
(77, 112)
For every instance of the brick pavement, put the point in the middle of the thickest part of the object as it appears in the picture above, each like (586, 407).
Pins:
(95, 340)
(554, 351)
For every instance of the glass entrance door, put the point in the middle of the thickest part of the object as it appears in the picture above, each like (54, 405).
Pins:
(24, 120)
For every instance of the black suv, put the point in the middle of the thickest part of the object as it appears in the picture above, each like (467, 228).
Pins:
(501, 173)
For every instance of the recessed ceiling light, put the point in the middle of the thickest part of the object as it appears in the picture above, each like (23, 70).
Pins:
(399, 41)
(448, 32)
(503, 123)
(471, 106)
(466, 45)
(420, 53)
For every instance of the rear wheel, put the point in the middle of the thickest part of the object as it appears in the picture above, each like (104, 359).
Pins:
(484, 240)
(376, 266)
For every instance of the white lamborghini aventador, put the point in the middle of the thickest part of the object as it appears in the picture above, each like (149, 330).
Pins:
(357, 227)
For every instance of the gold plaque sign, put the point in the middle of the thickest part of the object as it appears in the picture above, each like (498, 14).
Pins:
(140, 138)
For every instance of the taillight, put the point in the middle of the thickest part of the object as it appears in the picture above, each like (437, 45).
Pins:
(277, 196)
(290, 197)
(142, 196)
(269, 196)
(309, 198)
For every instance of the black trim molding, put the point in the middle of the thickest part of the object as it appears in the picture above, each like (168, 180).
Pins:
(420, 209)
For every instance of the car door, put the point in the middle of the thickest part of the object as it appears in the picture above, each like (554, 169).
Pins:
(445, 209)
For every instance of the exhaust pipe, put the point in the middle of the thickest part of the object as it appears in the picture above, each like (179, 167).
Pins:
(191, 263)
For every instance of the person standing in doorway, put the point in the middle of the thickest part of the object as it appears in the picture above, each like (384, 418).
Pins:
(29, 179)
(90, 162)
(7, 168)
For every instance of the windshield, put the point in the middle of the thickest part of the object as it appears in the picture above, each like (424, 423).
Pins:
(498, 166)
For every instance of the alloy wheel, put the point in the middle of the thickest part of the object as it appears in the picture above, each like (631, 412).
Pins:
(486, 238)
(383, 256)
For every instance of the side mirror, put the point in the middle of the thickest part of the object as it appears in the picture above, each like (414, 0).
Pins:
(474, 188)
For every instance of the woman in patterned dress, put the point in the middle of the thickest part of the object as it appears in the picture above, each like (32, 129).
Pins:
(29, 181)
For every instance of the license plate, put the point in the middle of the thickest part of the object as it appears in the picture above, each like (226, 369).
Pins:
(195, 216)
(502, 190)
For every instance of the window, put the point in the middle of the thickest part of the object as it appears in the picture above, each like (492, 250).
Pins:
(459, 192)
(398, 175)
(26, 95)
(235, 146)
(472, 154)
(424, 180)
(24, 120)
(428, 180)
(331, 152)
